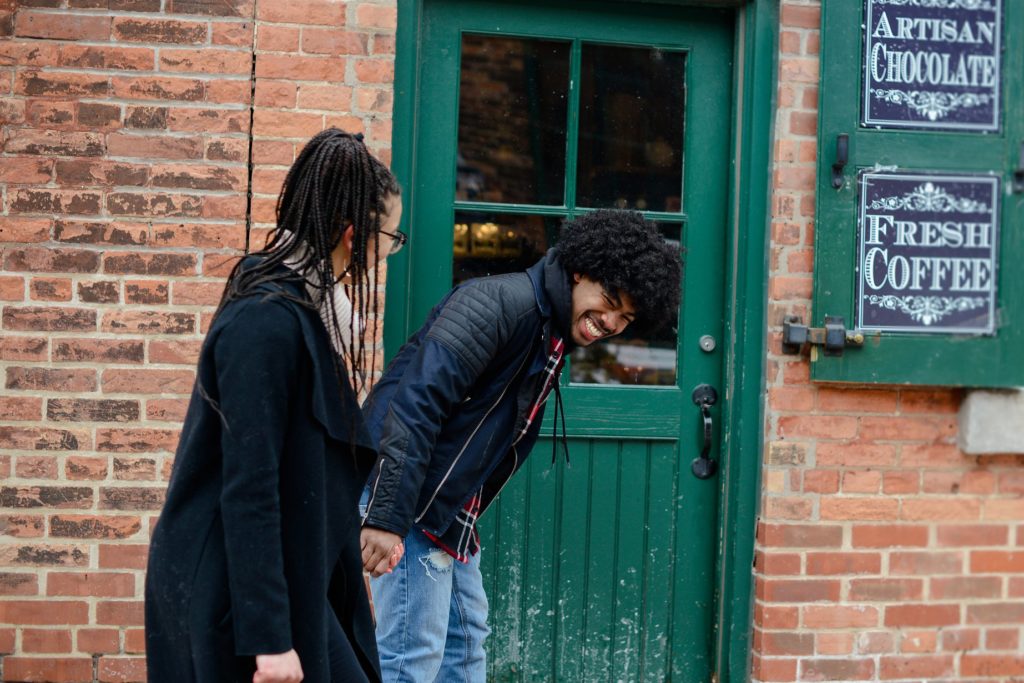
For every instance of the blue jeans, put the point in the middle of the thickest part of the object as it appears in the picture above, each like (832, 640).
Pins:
(431, 617)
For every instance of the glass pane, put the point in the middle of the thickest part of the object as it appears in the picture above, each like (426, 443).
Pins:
(631, 128)
(512, 120)
(489, 244)
(627, 359)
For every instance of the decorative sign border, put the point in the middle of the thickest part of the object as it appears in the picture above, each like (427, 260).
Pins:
(929, 193)
(929, 107)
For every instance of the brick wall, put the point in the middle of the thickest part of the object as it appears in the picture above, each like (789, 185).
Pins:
(884, 553)
(124, 176)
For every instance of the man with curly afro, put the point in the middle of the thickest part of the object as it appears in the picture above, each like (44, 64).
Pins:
(459, 409)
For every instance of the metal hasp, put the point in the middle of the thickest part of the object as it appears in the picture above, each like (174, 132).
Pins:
(705, 396)
(842, 156)
(1018, 173)
(834, 337)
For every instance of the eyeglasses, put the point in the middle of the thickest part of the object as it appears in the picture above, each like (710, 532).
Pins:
(398, 241)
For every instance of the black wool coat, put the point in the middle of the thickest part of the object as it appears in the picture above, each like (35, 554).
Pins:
(258, 541)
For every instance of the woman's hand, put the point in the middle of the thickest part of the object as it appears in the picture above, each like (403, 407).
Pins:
(381, 550)
(282, 668)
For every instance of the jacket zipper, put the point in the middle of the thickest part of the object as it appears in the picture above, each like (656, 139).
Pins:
(468, 440)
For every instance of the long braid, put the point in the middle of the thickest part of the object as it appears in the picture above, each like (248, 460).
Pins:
(334, 182)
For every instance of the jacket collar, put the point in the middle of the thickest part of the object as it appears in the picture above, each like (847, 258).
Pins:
(553, 290)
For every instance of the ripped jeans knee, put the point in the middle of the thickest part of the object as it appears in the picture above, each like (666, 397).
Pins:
(437, 561)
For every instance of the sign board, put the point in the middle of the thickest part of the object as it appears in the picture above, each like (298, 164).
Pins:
(932, 64)
(927, 252)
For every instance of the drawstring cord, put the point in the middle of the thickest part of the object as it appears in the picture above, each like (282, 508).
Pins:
(559, 413)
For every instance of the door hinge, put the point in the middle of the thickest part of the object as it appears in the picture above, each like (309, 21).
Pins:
(833, 337)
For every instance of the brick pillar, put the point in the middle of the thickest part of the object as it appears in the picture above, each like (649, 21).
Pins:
(124, 175)
(883, 552)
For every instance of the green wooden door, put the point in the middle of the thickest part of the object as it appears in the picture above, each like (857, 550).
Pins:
(526, 114)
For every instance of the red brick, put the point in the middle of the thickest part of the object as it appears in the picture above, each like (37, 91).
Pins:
(859, 508)
(839, 616)
(1001, 638)
(232, 33)
(935, 401)
(233, 91)
(148, 322)
(997, 561)
(63, 85)
(21, 408)
(327, 97)
(992, 665)
(781, 643)
(801, 590)
(972, 481)
(973, 535)
(146, 292)
(277, 39)
(166, 409)
(56, 670)
(886, 590)
(874, 642)
(38, 640)
(196, 177)
(93, 584)
(36, 467)
(207, 121)
(1003, 509)
(375, 70)
(844, 563)
(87, 172)
(54, 201)
(801, 535)
(817, 426)
(787, 398)
(845, 669)
(334, 41)
(287, 124)
(856, 481)
(961, 639)
(154, 147)
(112, 440)
(312, 12)
(154, 204)
(43, 612)
(19, 229)
(16, 583)
(93, 526)
(927, 667)
(300, 68)
(149, 263)
(22, 525)
(996, 613)
(122, 669)
(180, 352)
(98, 640)
(765, 669)
(844, 400)
(82, 467)
(147, 117)
(227, 149)
(134, 469)
(796, 16)
(131, 29)
(50, 289)
(148, 381)
(26, 171)
(97, 116)
(821, 481)
(889, 535)
(901, 482)
(123, 556)
(63, 26)
(206, 61)
(922, 615)
(47, 379)
(383, 44)
(778, 617)
(116, 232)
(43, 260)
(112, 57)
(213, 8)
(119, 613)
(99, 350)
(925, 563)
(955, 509)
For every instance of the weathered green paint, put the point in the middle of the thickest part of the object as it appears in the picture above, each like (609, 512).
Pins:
(559, 534)
(941, 359)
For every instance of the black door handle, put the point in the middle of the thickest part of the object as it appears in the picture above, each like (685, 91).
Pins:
(705, 396)
(842, 156)
(1018, 173)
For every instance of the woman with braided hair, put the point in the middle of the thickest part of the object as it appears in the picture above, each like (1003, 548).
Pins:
(254, 568)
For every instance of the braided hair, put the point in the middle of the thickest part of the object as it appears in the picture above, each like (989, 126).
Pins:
(335, 182)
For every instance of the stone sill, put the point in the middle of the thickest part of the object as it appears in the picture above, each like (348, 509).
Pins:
(992, 422)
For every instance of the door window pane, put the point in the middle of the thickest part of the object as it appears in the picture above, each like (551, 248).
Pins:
(627, 359)
(489, 244)
(513, 103)
(631, 128)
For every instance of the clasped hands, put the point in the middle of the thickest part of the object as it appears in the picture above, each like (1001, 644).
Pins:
(381, 550)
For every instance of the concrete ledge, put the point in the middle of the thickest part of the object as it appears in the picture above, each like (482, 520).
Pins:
(992, 422)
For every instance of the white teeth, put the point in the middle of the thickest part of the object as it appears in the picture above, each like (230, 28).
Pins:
(592, 329)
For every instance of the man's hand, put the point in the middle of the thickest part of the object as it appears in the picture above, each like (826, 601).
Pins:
(381, 550)
(282, 668)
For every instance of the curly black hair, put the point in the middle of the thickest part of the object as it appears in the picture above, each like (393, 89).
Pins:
(625, 253)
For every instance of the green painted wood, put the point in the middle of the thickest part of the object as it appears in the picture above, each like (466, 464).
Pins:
(572, 590)
(893, 358)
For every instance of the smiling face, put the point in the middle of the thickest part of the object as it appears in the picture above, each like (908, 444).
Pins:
(596, 314)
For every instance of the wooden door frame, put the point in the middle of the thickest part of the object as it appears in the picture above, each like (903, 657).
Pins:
(744, 341)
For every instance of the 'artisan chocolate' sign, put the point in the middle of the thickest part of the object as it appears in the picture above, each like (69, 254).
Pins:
(932, 64)
(927, 252)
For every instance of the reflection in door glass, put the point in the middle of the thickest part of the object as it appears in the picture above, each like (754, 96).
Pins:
(489, 244)
(512, 118)
(631, 128)
(627, 359)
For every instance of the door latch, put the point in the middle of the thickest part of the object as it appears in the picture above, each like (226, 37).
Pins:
(842, 157)
(834, 337)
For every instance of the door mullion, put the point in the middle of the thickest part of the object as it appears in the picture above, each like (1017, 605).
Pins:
(572, 129)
